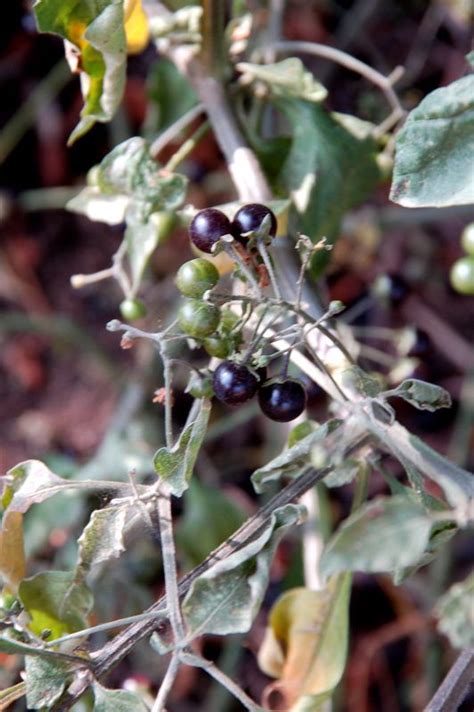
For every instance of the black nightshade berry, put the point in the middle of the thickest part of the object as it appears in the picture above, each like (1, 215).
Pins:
(282, 400)
(234, 383)
(207, 227)
(250, 217)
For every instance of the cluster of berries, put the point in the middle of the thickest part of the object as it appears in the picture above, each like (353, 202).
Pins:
(217, 329)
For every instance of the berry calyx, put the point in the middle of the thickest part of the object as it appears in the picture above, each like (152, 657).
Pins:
(132, 309)
(282, 400)
(234, 383)
(207, 227)
(195, 277)
(198, 319)
(249, 218)
(462, 276)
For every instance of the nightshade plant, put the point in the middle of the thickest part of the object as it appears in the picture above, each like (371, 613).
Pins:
(256, 318)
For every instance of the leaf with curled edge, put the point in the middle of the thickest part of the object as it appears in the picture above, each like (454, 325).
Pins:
(422, 395)
(175, 465)
(305, 645)
(102, 538)
(456, 483)
(226, 598)
(96, 48)
(32, 482)
(288, 78)
(294, 459)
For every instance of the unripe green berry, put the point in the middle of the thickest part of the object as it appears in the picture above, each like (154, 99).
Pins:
(462, 276)
(197, 318)
(195, 277)
(218, 347)
(132, 309)
(467, 239)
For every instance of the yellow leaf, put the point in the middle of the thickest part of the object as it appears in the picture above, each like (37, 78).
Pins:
(305, 645)
(136, 26)
(12, 553)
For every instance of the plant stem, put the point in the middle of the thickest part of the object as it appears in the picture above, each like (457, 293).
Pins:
(188, 146)
(232, 687)
(175, 129)
(167, 684)
(110, 625)
(262, 248)
(169, 565)
(234, 254)
(213, 57)
(385, 84)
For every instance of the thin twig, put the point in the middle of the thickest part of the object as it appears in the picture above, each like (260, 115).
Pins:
(188, 146)
(355, 65)
(167, 684)
(175, 129)
(453, 689)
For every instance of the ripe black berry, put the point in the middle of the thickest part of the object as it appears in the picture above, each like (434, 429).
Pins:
(207, 227)
(282, 400)
(250, 218)
(234, 383)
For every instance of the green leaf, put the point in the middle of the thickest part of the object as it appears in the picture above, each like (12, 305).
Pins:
(102, 538)
(31, 482)
(96, 29)
(343, 474)
(456, 483)
(226, 598)
(210, 517)
(171, 96)
(305, 645)
(384, 535)
(28, 483)
(293, 460)
(176, 465)
(55, 602)
(116, 700)
(422, 395)
(440, 535)
(129, 169)
(46, 679)
(145, 231)
(328, 170)
(455, 613)
(433, 161)
(288, 78)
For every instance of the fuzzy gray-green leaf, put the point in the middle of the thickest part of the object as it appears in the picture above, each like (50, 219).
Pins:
(226, 598)
(434, 150)
(455, 612)
(106, 700)
(293, 460)
(176, 464)
(384, 535)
